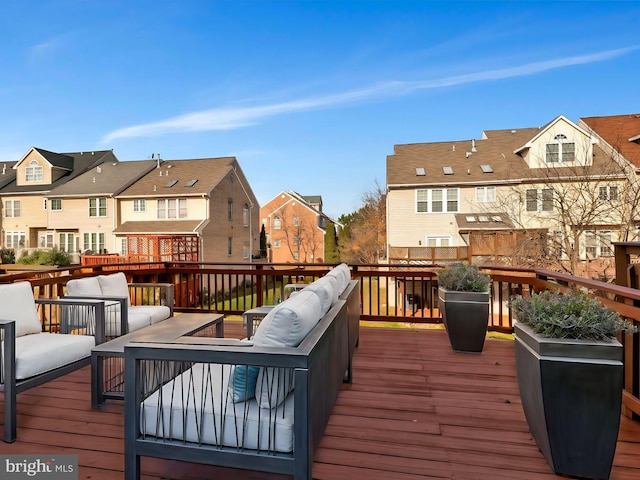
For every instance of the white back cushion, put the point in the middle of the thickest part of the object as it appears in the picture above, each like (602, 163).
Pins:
(339, 278)
(289, 322)
(324, 289)
(114, 285)
(18, 304)
(84, 287)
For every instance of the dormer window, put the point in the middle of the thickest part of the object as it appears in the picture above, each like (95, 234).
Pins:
(34, 172)
(560, 150)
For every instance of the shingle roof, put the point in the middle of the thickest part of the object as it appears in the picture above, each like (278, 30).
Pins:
(7, 173)
(492, 162)
(59, 160)
(105, 179)
(483, 221)
(173, 177)
(616, 130)
(159, 227)
(494, 149)
(82, 161)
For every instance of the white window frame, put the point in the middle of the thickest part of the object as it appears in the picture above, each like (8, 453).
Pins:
(34, 172)
(93, 241)
(56, 204)
(277, 223)
(172, 208)
(597, 243)
(438, 241)
(245, 251)
(98, 207)
(277, 243)
(485, 194)
(139, 205)
(245, 216)
(296, 221)
(448, 201)
(565, 152)
(540, 201)
(609, 193)
(65, 239)
(12, 208)
(15, 240)
(46, 239)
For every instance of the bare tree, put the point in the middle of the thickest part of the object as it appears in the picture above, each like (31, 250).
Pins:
(301, 235)
(367, 239)
(583, 206)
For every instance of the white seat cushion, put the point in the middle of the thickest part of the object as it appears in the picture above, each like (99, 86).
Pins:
(114, 285)
(156, 313)
(212, 417)
(41, 352)
(18, 304)
(340, 279)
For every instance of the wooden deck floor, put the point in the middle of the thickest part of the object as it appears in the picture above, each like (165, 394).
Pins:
(416, 410)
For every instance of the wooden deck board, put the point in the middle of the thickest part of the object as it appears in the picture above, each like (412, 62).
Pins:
(416, 410)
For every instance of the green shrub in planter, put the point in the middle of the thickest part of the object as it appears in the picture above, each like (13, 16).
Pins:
(463, 278)
(574, 315)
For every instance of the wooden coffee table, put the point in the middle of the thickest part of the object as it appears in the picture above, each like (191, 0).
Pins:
(108, 358)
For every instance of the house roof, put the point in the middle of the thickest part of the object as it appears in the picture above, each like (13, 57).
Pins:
(489, 160)
(483, 221)
(105, 179)
(619, 131)
(422, 163)
(182, 178)
(159, 227)
(81, 162)
(59, 160)
(7, 173)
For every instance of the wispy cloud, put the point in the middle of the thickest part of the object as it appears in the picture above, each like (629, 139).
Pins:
(48, 47)
(237, 117)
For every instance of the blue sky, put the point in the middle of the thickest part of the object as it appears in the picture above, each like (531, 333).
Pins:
(309, 96)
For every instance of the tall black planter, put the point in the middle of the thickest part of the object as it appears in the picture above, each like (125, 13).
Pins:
(571, 393)
(466, 317)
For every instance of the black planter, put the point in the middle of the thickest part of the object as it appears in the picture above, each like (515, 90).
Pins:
(571, 393)
(466, 317)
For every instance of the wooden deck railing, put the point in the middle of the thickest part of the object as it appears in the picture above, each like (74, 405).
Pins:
(389, 293)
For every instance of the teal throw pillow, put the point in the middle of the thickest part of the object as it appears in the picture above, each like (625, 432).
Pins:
(242, 382)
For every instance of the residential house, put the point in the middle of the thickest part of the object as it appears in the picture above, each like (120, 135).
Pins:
(83, 213)
(190, 210)
(619, 137)
(25, 193)
(295, 227)
(520, 196)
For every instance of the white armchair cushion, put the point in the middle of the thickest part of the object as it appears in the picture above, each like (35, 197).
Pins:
(114, 285)
(84, 287)
(339, 278)
(41, 352)
(18, 304)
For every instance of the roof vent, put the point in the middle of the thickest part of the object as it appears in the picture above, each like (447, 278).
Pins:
(420, 172)
(98, 169)
(468, 154)
(473, 146)
(453, 148)
(513, 131)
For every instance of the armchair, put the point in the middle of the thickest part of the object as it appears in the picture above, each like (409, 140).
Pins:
(38, 348)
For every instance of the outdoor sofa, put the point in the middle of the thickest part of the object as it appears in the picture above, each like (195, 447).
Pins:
(261, 404)
(121, 315)
(41, 340)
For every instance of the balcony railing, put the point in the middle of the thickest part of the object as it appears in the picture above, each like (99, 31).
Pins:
(404, 294)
